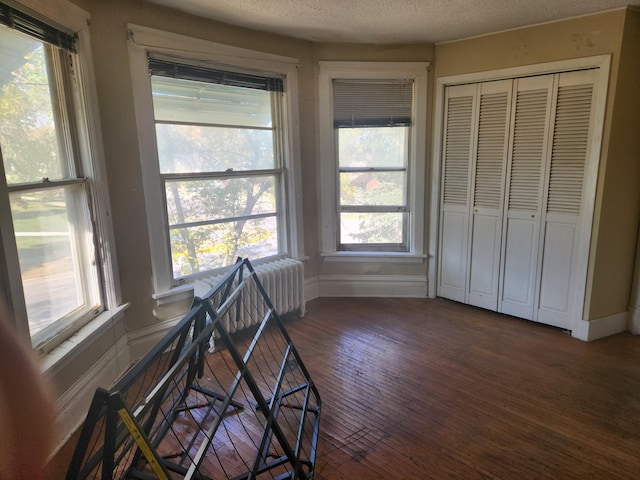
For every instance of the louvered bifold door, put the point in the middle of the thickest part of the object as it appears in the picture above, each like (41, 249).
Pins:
(569, 153)
(531, 106)
(487, 193)
(460, 106)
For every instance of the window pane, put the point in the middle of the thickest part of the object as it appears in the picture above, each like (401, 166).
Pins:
(48, 254)
(359, 227)
(373, 147)
(199, 249)
(177, 100)
(372, 188)
(192, 149)
(201, 200)
(30, 145)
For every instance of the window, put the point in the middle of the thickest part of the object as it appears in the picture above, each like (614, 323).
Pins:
(372, 150)
(372, 123)
(219, 152)
(46, 216)
(219, 148)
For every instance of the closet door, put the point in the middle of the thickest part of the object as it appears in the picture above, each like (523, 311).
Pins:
(487, 193)
(525, 179)
(569, 150)
(460, 105)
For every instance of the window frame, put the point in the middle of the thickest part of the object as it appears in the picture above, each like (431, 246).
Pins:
(84, 134)
(402, 209)
(143, 41)
(276, 171)
(329, 168)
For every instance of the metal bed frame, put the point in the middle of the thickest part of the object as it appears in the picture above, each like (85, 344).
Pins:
(203, 404)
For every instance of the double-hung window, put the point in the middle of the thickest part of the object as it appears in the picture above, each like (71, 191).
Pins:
(372, 156)
(49, 254)
(219, 145)
(372, 121)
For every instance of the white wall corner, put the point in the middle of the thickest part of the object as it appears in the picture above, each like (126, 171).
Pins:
(311, 288)
(600, 327)
(408, 286)
(72, 406)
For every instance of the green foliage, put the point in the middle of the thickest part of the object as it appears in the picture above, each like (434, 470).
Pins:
(30, 152)
(197, 149)
(380, 148)
(27, 129)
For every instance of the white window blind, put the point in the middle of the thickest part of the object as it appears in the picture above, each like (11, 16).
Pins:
(361, 103)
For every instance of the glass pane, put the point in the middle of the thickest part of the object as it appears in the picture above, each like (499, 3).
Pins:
(201, 200)
(373, 147)
(360, 227)
(47, 253)
(372, 188)
(30, 144)
(199, 249)
(193, 149)
(178, 100)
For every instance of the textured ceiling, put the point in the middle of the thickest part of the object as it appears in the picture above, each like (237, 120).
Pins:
(389, 21)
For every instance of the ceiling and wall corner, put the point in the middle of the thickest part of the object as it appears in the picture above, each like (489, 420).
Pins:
(385, 22)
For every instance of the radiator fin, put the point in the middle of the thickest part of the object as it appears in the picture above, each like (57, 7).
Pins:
(283, 281)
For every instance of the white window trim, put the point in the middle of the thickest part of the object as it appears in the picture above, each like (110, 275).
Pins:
(143, 40)
(418, 71)
(72, 17)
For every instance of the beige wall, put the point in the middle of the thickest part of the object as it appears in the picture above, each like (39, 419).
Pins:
(616, 235)
(616, 215)
(579, 37)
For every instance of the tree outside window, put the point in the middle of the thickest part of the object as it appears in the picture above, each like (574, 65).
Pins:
(219, 161)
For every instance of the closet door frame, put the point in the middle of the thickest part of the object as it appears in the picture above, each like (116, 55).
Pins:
(600, 62)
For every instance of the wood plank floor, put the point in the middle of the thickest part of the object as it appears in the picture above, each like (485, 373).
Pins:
(431, 389)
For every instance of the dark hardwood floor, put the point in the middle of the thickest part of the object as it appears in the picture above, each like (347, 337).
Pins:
(431, 389)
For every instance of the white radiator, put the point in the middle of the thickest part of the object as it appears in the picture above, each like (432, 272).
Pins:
(283, 280)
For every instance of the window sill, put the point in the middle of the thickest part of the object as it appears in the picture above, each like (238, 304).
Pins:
(373, 257)
(173, 295)
(73, 345)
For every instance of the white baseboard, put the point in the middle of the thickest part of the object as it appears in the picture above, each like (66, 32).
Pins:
(411, 286)
(600, 327)
(72, 406)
